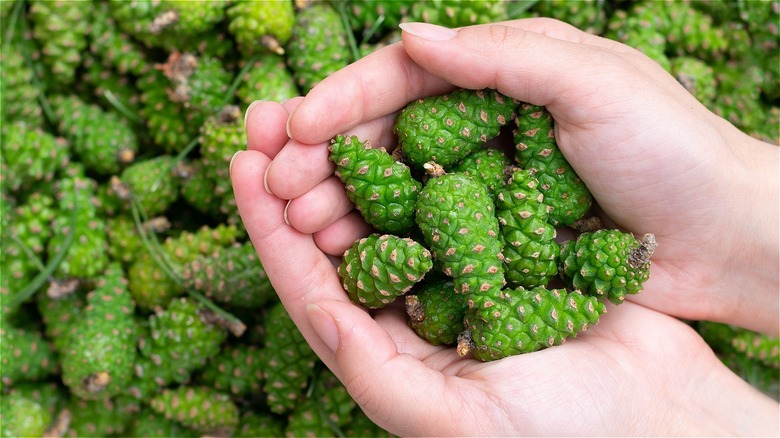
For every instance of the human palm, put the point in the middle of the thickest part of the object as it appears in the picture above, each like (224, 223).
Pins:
(413, 388)
(655, 160)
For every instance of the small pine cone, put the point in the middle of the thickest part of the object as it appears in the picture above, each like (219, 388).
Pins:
(525, 320)
(379, 268)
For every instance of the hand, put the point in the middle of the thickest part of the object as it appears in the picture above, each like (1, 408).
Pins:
(656, 162)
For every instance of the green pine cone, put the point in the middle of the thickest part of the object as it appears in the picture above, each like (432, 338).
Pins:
(258, 24)
(149, 424)
(379, 17)
(21, 416)
(382, 189)
(59, 316)
(198, 83)
(758, 346)
(125, 244)
(101, 140)
(530, 251)
(187, 19)
(517, 321)
(587, 15)
(697, 76)
(87, 255)
(25, 355)
(379, 268)
(537, 151)
(447, 128)
(233, 276)
(149, 378)
(114, 48)
(486, 165)
(267, 79)
(52, 395)
(197, 187)
(608, 263)
(436, 312)
(62, 28)
(152, 286)
(692, 32)
(738, 98)
(98, 361)
(459, 13)
(318, 45)
(201, 408)
(152, 183)
(255, 424)
(181, 339)
(362, 426)
(289, 361)
(18, 94)
(110, 88)
(329, 408)
(731, 341)
(31, 156)
(135, 19)
(95, 418)
(221, 136)
(641, 32)
(31, 222)
(456, 216)
(237, 370)
(165, 120)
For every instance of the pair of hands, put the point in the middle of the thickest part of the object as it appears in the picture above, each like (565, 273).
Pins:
(655, 160)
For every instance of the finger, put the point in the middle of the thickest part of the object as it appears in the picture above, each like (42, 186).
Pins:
(529, 66)
(382, 381)
(299, 167)
(265, 123)
(299, 272)
(340, 235)
(319, 207)
(377, 132)
(558, 29)
(372, 87)
(388, 79)
(292, 103)
(394, 319)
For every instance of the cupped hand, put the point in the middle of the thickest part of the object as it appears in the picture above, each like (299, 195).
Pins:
(655, 160)
(636, 372)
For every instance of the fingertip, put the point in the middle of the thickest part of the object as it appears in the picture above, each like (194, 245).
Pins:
(264, 122)
(298, 168)
(249, 109)
(356, 332)
(324, 325)
(341, 234)
(428, 31)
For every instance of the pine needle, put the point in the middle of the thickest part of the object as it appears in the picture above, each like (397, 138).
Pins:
(121, 108)
(44, 275)
(158, 254)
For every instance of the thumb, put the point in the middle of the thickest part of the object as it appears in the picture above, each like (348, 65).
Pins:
(396, 390)
(540, 61)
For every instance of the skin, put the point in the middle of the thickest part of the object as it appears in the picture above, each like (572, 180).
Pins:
(656, 161)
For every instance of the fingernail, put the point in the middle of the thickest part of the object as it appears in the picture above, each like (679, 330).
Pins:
(286, 220)
(265, 179)
(427, 31)
(249, 108)
(233, 158)
(287, 127)
(324, 325)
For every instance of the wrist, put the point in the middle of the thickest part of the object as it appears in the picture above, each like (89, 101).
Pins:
(751, 237)
(726, 405)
